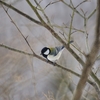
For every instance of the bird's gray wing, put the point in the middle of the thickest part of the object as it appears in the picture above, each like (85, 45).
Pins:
(58, 49)
(55, 51)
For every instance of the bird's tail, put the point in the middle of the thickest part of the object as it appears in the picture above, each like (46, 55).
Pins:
(62, 47)
(68, 43)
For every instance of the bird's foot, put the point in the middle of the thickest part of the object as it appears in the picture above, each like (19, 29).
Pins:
(48, 61)
(54, 63)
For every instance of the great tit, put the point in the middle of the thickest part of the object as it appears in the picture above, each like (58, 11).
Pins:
(52, 54)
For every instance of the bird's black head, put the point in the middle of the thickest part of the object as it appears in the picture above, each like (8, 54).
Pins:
(45, 52)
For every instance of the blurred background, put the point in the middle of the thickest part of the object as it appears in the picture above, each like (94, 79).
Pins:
(27, 78)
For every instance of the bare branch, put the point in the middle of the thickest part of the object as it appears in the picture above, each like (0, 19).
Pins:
(72, 8)
(85, 28)
(96, 88)
(36, 12)
(65, 26)
(25, 38)
(91, 57)
(23, 14)
(92, 13)
(81, 3)
(40, 58)
(15, 50)
(43, 12)
(70, 33)
(50, 3)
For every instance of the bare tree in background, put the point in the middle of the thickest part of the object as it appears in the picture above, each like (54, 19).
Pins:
(68, 86)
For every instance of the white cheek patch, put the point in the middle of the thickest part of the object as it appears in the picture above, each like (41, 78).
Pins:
(47, 52)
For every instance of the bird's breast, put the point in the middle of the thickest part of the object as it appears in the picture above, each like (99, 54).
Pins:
(54, 58)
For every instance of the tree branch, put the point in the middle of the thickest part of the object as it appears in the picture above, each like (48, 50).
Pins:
(91, 57)
(21, 13)
(40, 58)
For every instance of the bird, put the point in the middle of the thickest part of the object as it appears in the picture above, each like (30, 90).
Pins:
(52, 54)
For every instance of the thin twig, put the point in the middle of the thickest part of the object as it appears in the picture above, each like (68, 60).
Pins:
(21, 13)
(43, 12)
(36, 12)
(50, 3)
(15, 50)
(70, 29)
(25, 38)
(72, 8)
(72, 44)
(97, 89)
(73, 28)
(85, 28)
(81, 3)
(91, 14)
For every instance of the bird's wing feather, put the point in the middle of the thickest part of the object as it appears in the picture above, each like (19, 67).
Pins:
(59, 48)
(55, 52)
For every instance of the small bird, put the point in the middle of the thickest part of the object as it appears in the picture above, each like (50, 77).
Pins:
(52, 54)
